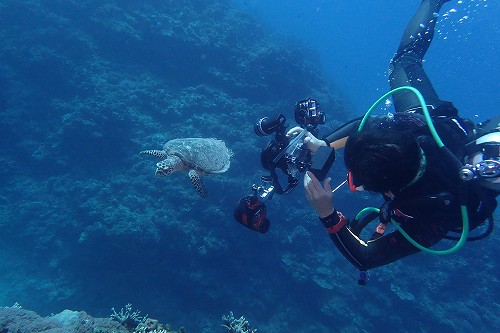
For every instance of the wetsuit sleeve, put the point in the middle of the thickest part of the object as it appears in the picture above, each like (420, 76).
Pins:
(380, 251)
(337, 138)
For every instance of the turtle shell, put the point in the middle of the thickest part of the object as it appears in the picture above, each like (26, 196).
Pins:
(206, 155)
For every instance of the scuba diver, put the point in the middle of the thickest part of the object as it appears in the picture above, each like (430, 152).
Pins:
(423, 186)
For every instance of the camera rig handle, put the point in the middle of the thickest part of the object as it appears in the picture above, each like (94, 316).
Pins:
(273, 178)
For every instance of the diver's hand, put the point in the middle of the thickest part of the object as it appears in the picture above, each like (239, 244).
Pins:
(319, 197)
(294, 131)
(310, 140)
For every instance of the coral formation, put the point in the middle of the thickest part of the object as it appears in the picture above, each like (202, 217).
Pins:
(153, 326)
(127, 317)
(233, 325)
(18, 320)
(24, 321)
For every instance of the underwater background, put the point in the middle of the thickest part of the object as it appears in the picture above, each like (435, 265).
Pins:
(85, 225)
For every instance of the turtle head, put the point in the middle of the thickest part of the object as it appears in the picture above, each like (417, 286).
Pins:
(163, 170)
(168, 166)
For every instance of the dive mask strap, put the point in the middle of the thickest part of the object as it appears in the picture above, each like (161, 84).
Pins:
(353, 187)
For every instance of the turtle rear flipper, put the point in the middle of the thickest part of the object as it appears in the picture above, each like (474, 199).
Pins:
(154, 153)
(197, 183)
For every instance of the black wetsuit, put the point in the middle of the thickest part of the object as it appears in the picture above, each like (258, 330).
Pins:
(429, 208)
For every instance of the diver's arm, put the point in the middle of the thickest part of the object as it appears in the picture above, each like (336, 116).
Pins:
(338, 138)
(361, 254)
(340, 135)
(370, 254)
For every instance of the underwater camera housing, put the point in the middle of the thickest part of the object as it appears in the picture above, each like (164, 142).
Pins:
(291, 156)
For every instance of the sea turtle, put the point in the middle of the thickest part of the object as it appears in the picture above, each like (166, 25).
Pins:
(197, 156)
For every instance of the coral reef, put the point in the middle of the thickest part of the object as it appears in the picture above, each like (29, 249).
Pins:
(18, 320)
(24, 321)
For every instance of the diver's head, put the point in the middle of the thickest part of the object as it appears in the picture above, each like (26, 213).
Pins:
(382, 160)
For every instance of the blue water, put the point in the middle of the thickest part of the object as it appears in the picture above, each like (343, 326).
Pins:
(356, 39)
(85, 224)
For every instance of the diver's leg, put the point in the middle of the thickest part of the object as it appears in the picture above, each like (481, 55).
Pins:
(406, 66)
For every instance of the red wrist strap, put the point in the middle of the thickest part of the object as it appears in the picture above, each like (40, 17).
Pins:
(341, 223)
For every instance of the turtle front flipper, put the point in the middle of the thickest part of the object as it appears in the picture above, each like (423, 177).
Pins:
(169, 165)
(197, 183)
(154, 153)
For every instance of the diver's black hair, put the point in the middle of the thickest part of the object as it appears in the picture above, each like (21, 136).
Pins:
(382, 159)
